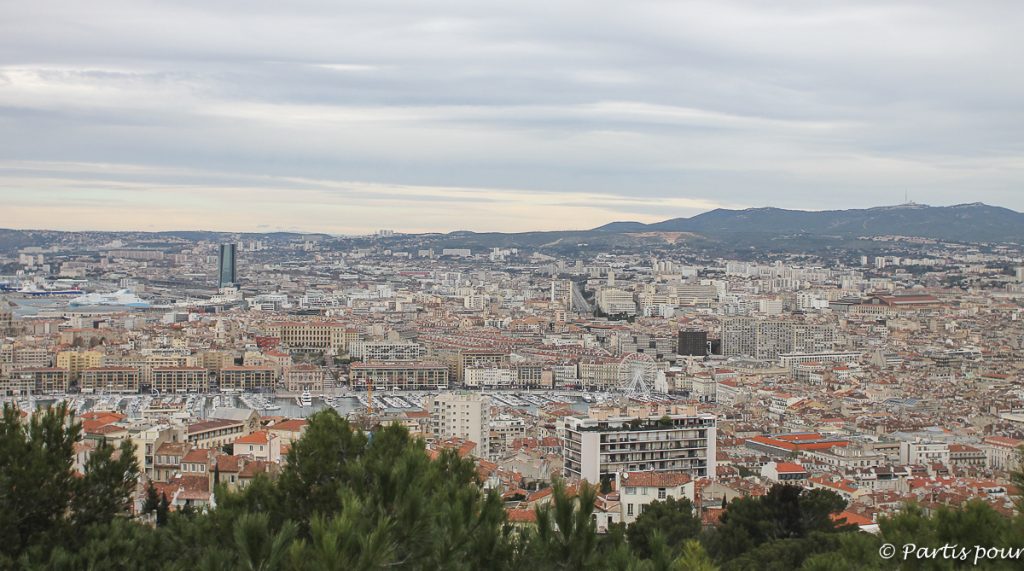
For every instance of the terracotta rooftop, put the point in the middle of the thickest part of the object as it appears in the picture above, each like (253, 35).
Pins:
(260, 437)
(655, 479)
(290, 425)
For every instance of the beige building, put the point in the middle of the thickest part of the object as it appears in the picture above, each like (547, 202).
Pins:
(77, 361)
(215, 433)
(260, 445)
(248, 378)
(304, 378)
(402, 376)
(109, 380)
(41, 380)
(314, 335)
(462, 415)
(181, 380)
(1002, 453)
(602, 374)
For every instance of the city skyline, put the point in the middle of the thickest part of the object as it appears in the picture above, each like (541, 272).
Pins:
(459, 116)
(715, 284)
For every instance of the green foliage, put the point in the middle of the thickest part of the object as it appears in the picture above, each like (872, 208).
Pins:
(105, 489)
(786, 512)
(163, 509)
(855, 551)
(42, 502)
(784, 554)
(346, 500)
(566, 535)
(673, 519)
(152, 501)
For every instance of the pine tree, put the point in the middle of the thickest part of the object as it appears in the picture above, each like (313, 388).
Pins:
(36, 480)
(566, 535)
(106, 488)
(152, 499)
(162, 510)
(673, 519)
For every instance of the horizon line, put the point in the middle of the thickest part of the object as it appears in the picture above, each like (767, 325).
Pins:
(448, 232)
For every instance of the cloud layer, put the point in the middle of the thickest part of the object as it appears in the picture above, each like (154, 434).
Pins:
(346, 117)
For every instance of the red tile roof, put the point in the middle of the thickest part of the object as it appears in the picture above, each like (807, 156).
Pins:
(291, 425)
(655, 479)
(260, 437)
(851, 518)
(521, 516)
(789, 468)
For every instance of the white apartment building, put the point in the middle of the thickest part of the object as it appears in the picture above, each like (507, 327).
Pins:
(637, 490)
(387, 350)
(613, 301)
(680, 442)
(462, 415)
(768, 339)
(1002, 453)
(920, 452)
(490, 378)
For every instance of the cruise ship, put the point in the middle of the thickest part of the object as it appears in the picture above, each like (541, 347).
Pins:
(122, 298)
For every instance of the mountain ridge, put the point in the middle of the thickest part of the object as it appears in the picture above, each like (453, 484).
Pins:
(969, 222)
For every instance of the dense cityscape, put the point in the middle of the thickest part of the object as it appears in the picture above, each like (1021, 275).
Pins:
(887, 379)
(713, 285)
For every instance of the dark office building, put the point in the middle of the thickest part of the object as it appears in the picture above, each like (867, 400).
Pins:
(716, 346)
(693, 343)
(228, 267)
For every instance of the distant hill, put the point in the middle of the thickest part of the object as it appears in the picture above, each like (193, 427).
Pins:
(975, 222)
(726, 232)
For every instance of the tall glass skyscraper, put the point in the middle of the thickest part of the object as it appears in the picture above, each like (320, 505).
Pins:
(228, 267)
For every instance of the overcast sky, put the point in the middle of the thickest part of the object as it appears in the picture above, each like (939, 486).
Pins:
(419, 115)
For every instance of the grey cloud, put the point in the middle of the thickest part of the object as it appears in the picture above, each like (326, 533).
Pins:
(795, 104)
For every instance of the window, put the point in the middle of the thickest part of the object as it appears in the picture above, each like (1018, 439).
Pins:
(661, 493)
(629, 509)
(630, 490)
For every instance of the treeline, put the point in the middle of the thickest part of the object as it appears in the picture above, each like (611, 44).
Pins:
(346, 500)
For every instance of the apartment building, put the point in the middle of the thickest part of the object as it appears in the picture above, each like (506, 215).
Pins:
(768, 339)
(489, 378)
(110, 380)
(462, 415)
(180, 380)
(602, 446)
(614, 301)
(480, 359)
(400, 376)
(40, 380)
(215, 433)
(77, 361)
(1002, 453)
(247, 378)
(387, 350)
(637, 490)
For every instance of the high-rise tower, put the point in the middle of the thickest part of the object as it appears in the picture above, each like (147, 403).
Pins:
(228, 267)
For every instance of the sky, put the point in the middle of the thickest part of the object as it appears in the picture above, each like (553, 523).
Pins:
(348, 117)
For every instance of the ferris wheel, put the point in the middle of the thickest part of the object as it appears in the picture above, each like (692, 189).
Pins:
(636, 374)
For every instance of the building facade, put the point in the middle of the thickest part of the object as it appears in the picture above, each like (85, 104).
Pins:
(596, 448)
